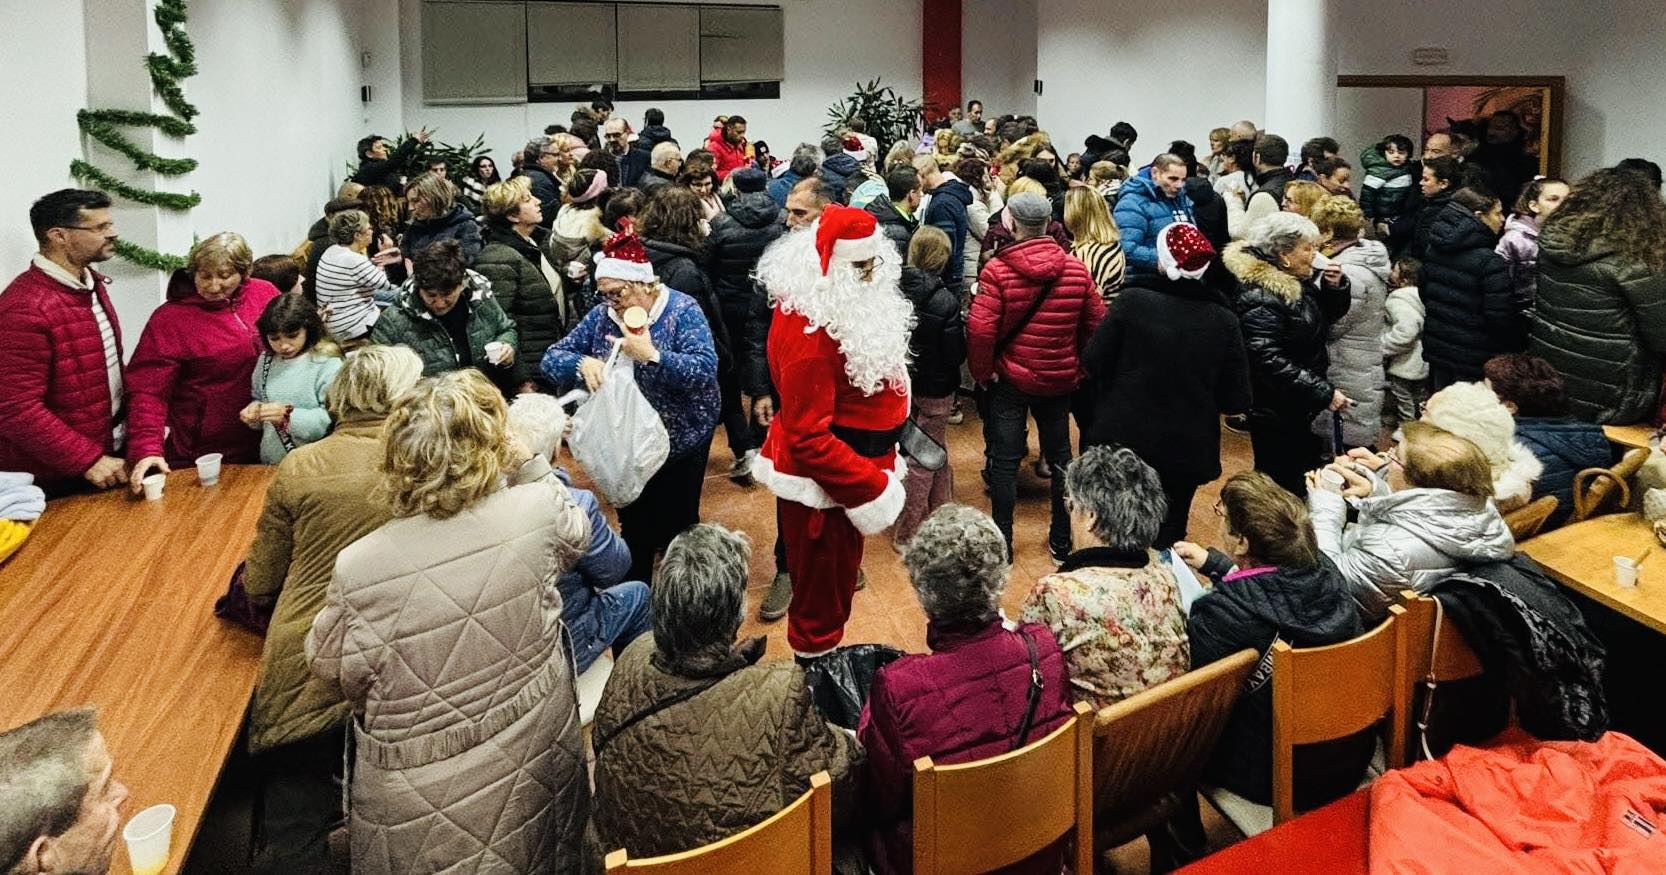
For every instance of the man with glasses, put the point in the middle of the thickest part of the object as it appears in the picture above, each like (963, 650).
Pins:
(61, 414)
(538, 166)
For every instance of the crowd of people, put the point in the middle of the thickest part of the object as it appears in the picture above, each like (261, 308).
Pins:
(435, 582)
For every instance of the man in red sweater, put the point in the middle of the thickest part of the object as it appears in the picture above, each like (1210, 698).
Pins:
(728, 146)
(1036, 308)
(60, 349)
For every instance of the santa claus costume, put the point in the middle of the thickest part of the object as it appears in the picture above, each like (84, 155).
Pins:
(838, 353)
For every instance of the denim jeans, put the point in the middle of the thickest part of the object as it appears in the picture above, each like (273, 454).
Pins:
(621, 615)
(1006, 435)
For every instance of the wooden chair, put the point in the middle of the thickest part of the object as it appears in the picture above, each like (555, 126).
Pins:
(797, 840)
(974, 817)
(1592, 486)
(1529, 520)
(1431, 650)
(1150, 748)
(1325, 693)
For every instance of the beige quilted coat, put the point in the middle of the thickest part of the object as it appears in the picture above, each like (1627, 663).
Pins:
(446, 636)
(708, 767)
(320, 501)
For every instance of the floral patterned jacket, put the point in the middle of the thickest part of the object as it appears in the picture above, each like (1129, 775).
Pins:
(1117, 616)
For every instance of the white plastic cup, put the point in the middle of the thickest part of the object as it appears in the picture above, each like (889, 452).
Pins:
(208, 469)
(153, 486)
(149, 836)
(1332, 480)
(1625, 572)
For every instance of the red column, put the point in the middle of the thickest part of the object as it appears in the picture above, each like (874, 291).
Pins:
(940, 55)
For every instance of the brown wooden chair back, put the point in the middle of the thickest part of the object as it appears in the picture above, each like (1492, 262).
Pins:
(1325, 693)
(1151, 747)
(1431, 649)
(797, 840)
(1593, 486)
(1529, 519)
(978, 816)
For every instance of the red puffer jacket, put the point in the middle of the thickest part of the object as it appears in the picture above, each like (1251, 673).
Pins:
(964, 701)
(1045, 356)
(55, 412)
(190, 374)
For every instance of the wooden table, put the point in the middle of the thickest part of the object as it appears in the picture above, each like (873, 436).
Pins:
(1581, 557)
(110, 603)
(1333, 840)
(1631, 436)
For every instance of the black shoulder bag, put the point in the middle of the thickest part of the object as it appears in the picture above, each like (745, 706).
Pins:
(1020, 325)
(683, 695)
(1036, 686)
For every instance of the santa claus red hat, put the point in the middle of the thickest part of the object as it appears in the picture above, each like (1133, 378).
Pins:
(854, 148)
(846, 234)
(1183, 251)
(623, 257)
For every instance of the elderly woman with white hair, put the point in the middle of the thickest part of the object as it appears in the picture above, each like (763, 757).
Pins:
(322, 499)
(695, 738)
(1113, 605)
(987, 687)
(1286, 305)
(443, 630)
(600, 607)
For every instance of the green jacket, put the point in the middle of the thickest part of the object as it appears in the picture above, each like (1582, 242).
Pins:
(524, 293)
(408, 323)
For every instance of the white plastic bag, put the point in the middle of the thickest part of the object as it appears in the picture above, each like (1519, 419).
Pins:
(617, 435)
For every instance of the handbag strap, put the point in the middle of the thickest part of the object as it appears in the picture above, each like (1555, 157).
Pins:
(1430, 683)
(260, 395)
(1036, 686)
(683, 695)
(1021, 324)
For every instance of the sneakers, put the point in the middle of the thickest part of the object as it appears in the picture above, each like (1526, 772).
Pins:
(956, 415)
(779, 597)
(741, 470)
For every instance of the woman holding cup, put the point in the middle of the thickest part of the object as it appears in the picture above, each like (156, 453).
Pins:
(447, 315)
(1415, 537)
(190, 374)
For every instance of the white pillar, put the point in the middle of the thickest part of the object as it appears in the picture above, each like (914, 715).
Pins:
(1301, 71)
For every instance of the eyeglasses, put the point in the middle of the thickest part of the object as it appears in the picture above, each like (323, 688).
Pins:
(96, 229)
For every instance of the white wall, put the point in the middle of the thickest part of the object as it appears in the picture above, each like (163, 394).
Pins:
(44, 84)
(829, 46)
(1173, 73)
(998, 41)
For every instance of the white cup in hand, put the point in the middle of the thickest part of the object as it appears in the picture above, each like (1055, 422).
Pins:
(498, 352)
(1332, 481)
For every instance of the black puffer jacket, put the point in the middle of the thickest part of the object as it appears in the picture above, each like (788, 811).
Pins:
(1210, 211)
(738, 239)
(896, 229)
(459, 225)
(679, 268)
(1285, 323)
(835, 170)
(510, 262)
(1417, 246)
(939, 340)
(1466, 292)
(1304, 607)
(1600, 318)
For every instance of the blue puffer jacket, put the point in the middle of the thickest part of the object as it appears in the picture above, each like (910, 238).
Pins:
(948, 211)
(1565, 446)
(1142, 210)
(604, 564)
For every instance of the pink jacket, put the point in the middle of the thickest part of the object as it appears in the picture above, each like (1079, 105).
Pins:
(190, 375)
(55, 412)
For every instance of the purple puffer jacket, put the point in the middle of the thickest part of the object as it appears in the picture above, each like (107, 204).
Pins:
(1520, 248)
(962, 702)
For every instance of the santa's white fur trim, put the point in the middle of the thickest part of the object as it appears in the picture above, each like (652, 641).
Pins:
(620, 269)
(860, 249)
(799, 489)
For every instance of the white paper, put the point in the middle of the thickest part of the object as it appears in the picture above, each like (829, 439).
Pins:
(1190, 587)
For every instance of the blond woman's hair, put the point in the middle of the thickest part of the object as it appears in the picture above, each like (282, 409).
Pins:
(1087, 218)
(929, 249)
(1304, 195)
(1025, 184)
(370, 381)
(225, 249)
(503, 198)
(1339, 216)
(444, 445)
(1438, 459)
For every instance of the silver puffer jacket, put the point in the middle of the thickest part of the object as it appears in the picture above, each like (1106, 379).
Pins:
(1411, 539)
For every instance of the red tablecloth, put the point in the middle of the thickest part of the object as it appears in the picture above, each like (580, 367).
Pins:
(1329, 841)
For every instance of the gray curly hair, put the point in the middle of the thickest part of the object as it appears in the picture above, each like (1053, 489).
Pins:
(1122, 494)
(1281, 232)
(958, 565)
(699, 595)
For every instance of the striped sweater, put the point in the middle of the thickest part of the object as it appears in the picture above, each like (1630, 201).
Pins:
(1107, 264)
(347, 287)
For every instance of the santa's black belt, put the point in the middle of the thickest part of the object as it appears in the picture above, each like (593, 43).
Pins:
(866, 442)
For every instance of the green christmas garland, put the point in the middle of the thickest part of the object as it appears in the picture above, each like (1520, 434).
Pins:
(102, 125)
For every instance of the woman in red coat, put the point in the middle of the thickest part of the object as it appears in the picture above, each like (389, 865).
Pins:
(972, 697)
(190, 374)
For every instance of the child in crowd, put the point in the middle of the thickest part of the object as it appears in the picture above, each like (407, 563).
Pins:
(1385, 194)
(1408, 373)
(939, 347)
(289, 380)
(1520, 244)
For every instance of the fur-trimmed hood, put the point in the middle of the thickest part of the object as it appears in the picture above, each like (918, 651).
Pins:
(1252, 268)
